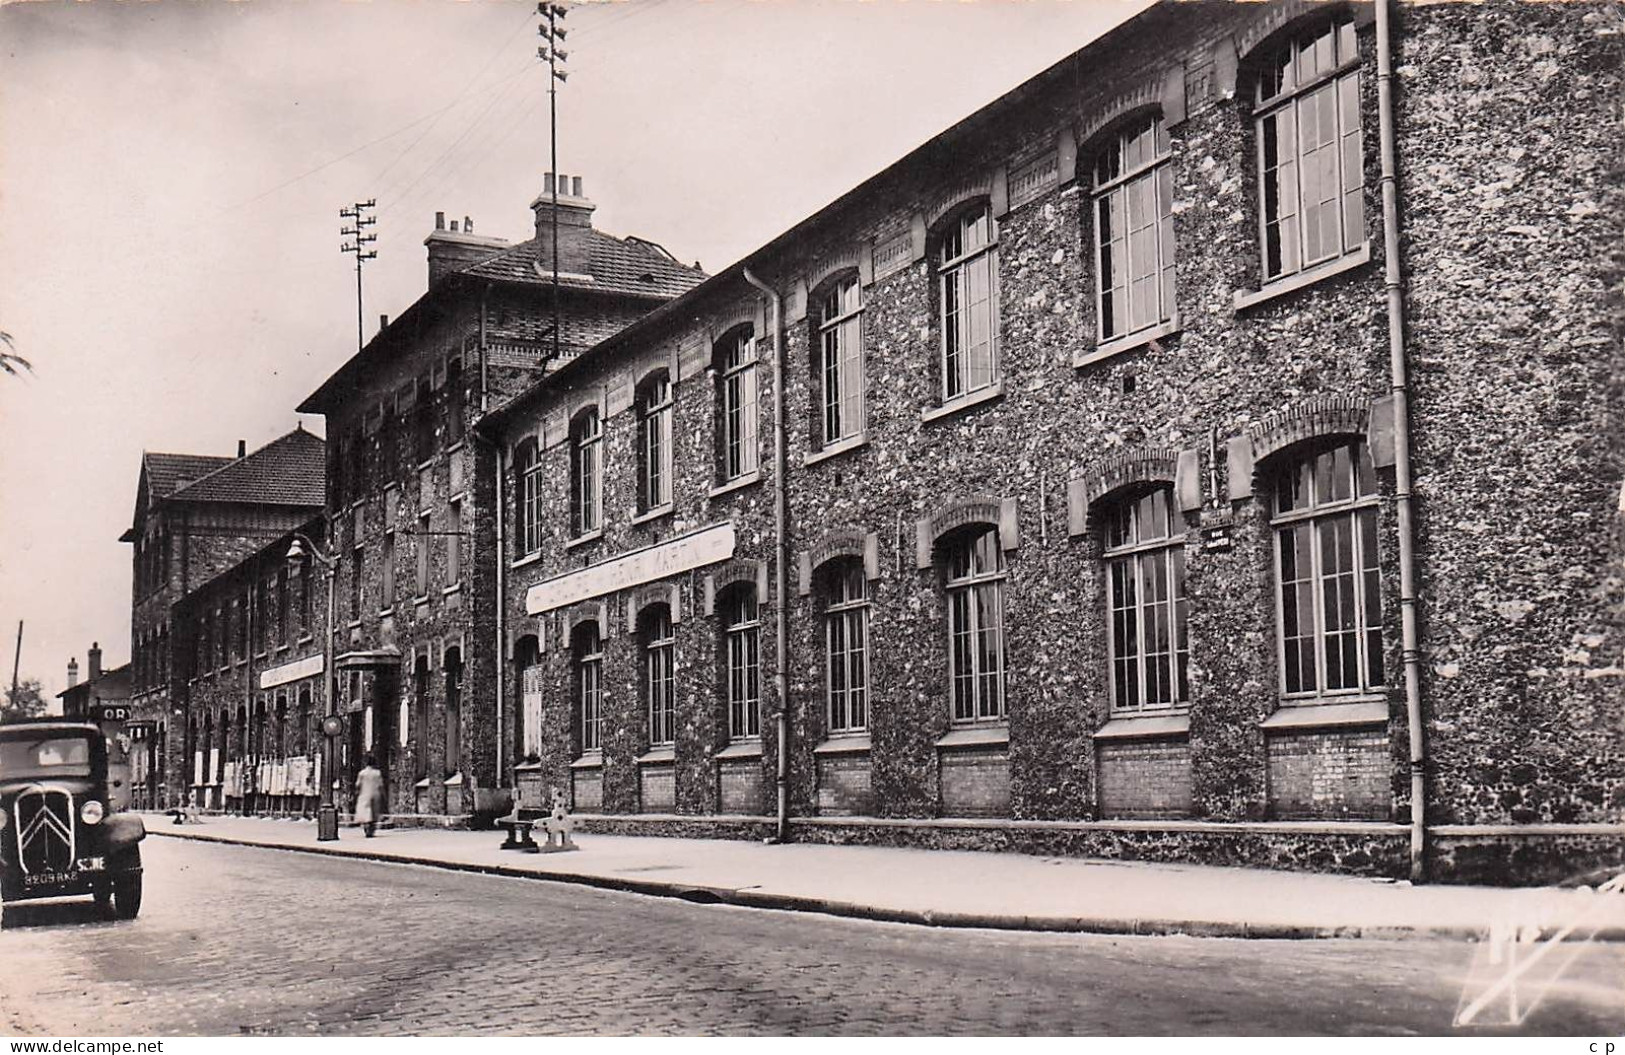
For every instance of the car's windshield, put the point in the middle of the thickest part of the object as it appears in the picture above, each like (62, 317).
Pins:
(51, 756)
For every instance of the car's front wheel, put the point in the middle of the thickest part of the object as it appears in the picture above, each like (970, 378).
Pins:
(126, 895)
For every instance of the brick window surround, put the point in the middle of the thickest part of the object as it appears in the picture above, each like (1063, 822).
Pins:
(1134, 228)
(846, 645)
(973, 565)
(1143, 550)
(839, 361)
(740, 619)
(735, 365)
(967, 291)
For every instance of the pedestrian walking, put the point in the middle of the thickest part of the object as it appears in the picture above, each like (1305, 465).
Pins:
(369, 795)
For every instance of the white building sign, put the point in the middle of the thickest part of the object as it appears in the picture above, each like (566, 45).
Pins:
(684, 553)
(303, 668)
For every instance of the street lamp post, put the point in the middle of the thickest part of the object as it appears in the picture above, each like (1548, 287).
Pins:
(327, 813)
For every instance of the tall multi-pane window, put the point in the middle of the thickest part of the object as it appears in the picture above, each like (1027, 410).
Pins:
(741, 657)
(282, 620)
(840, 360)
(586, 473)
(660, 675)
(454, 710)
(589, 685)
(975, 584)
(1325, 522)
(1311, 172)
(387, 601)
(454, 400)
(423, 569)
(528, 475)
(654, 443)
(357, 572)
(454, 542)
(736, 381)
(1134, 230)
(1145, 585)
(305, 586)
(423, 422)
(846, 648)
(967, 273)
(531, 695)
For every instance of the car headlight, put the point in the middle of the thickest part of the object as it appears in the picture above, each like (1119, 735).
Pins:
(91, 812)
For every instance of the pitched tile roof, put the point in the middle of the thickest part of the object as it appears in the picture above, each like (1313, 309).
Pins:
(619, 265)
(166, 472)
(291, 470)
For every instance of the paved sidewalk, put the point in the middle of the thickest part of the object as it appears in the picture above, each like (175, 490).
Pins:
(961, 888)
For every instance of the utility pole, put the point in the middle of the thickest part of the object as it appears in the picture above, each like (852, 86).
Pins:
(357, 214)
(553, 33)
(16, 662)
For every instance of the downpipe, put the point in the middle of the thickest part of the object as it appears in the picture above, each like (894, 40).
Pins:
(781, 561)
(1400, 388)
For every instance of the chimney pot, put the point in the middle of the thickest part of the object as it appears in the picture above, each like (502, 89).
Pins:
(468, 225)
(242, 448)
(575, 186)
(454, 226)
(440, 221)
(547, 183)
(383, 321)
(95, 658)
(73, 672)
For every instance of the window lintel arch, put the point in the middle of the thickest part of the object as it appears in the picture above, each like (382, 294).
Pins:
(1096, 132)
(1276, 25)
(729, 328)
(655, 595)
(580, 615)
(650, 377)
(947, 207)
(731, 574)
(948, 213)
(1105, 480)
(1325, 417)
(831, 269)
(592, 410)
(838, 544)
(997, 513)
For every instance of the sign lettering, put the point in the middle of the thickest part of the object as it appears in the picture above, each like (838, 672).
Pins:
(686, 552)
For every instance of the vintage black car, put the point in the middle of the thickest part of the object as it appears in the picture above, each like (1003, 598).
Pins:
(60, 832)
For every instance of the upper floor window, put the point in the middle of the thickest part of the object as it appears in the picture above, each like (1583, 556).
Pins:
(975, 584)
(654, 406)
(454, 400)
(1325, 521)
(589, 685)
(423, 422)
(1145, 579)
(1134, 230)
(741, 656)
(586, 473)
(660, 675)
(527, 466)
(846, 644)
(840, 360)
(1311, 172)
(967, 273)
(736, 382)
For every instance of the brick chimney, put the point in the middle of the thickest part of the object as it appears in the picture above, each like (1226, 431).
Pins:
(95, 660)
(575, 226)
(451, 250)
(73, 672)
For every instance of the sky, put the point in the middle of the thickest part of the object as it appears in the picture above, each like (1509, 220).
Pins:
(171, 173)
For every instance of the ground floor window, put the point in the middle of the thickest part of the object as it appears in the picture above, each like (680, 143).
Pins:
(846, 646)
(741, 653)
(974, 567)
(588, 656)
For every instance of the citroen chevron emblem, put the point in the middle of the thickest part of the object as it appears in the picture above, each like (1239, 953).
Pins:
(44, 837)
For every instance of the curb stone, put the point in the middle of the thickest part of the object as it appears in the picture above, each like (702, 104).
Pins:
(750, 898)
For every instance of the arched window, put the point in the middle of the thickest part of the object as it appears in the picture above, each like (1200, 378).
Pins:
(974, 566)
(846, 646)
(307, 724)
(454, 710)
(1144, 553)
(968, 303)
(279, 739)
(587, 658)
(741, 660)
(654, 407)
(736, 405)
(527, 466)
(736, 446)
(1134, 230)
(1324, 514)
(839, 344)
(660, 674)
(1311, 168)
(420, 716)
(528, 658)
(586, 473)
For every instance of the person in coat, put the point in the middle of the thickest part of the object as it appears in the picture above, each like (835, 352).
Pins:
(369, 795)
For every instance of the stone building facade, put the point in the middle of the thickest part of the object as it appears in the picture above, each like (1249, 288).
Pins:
(408, 507)
(1138, 501)
(196, 517)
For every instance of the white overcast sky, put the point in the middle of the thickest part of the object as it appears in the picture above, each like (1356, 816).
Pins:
(171, 173)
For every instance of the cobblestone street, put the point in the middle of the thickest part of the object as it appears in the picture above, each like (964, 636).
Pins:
(237, 940)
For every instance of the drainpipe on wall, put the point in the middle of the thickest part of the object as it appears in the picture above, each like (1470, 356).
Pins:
(502, 596)
(1394, 281)
(781, 560)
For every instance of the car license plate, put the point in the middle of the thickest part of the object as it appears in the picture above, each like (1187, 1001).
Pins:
(39, 879)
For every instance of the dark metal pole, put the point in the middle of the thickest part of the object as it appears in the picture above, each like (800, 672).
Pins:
(16, 663)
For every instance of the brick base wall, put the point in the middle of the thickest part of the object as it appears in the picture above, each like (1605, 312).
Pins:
(1145, 779)
(657, 788)
(844, 787)
(975, 783)
(740, 785)
(587, 788)
(1330, 775)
